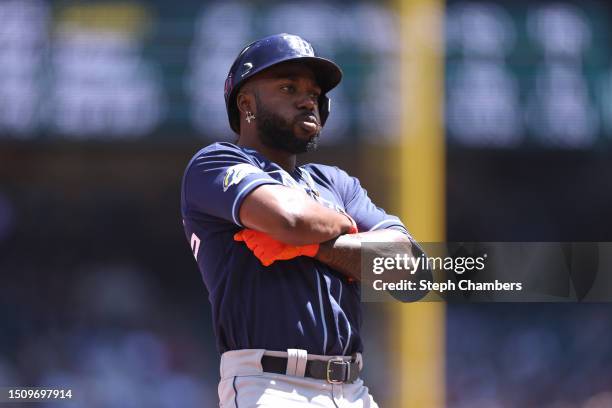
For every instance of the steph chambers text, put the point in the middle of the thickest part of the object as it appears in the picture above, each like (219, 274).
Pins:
(464, 284)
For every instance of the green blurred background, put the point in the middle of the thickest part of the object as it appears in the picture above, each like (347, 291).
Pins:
(103, 103)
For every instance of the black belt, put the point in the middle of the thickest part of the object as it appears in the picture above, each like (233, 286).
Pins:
(334, 371)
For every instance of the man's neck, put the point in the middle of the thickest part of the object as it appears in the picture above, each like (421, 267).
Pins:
(283, 159)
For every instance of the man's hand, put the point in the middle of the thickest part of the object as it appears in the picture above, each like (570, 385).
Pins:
(353, 229)
(343, 254)
(268, 250)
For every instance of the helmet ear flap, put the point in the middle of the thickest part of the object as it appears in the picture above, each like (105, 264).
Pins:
(324, 108)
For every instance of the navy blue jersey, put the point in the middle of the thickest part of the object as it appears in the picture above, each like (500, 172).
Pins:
(299, 303)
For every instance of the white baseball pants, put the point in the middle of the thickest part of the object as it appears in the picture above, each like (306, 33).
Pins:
(244, 385)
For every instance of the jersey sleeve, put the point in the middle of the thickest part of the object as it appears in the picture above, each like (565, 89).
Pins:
(366, 214)
(218, 179)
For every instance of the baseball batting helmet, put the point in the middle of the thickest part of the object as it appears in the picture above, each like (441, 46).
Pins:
(272, 50)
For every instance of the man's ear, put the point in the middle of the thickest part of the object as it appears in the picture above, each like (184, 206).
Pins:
(246, 102)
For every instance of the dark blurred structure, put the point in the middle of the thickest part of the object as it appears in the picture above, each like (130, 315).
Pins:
(103, 103)
(528, 120)
(528, 125)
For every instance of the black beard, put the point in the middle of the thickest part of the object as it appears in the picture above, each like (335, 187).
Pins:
(277, 133)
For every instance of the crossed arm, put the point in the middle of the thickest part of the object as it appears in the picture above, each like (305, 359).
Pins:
(289, 215)
(292, 217)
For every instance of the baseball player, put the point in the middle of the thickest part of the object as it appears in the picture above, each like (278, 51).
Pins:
(278, 245)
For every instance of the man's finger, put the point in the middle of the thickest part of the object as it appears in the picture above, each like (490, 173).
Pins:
(251, 244)
(267, 261)
(250, 234)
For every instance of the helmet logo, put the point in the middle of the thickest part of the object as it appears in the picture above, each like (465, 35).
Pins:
(248, 67)
(300, 45)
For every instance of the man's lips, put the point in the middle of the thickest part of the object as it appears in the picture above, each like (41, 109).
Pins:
(309, 123)
(311, 118)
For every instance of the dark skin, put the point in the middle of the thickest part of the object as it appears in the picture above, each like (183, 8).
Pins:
(288, 90)
(289, 215)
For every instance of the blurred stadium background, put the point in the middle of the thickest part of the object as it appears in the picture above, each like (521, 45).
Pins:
(103, 103)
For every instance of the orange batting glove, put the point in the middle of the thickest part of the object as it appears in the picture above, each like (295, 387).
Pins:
(268, 250)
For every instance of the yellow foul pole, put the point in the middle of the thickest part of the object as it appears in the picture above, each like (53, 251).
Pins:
(418, 329)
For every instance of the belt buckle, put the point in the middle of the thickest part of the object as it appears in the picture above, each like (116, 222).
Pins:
(338, 360)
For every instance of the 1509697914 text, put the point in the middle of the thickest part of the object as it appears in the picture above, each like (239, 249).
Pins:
(15, 394)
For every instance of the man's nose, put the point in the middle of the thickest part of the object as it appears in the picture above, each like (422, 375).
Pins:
(307, 102)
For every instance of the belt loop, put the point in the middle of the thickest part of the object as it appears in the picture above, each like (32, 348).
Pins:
(296, 362)
(300, 368)
(358, 358)
(292, 359)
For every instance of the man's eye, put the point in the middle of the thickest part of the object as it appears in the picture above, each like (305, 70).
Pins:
(288, 88)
